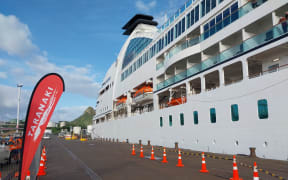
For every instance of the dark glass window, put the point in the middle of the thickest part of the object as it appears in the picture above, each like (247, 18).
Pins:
(213, 115)
(263, 109)
(196, 13)
(234, 12)
(188, 20)
(182, 119)
(161, 121)
(135, 46)
(226, 17)
(202, 8)
(170, 120)
(234, 112)
(213, 4)
(183, 25)
(212, 27)
(206, 31)
(172, 34)
(195, 113)
(219, 22)
(192, 17)
(208, 6)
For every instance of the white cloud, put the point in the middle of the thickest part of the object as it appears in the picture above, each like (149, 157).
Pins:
(15, 37)
(146, 7)
(161, 18)
(2, 62)
(3, 75)
(78, 80)
(68, 113)
(8, 103)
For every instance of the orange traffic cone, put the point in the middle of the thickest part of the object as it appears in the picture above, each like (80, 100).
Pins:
(16, 174)
(41, 171)
(255, 172)
(179, 159)
(28, 175)
(141, 152)
(164, 156)
(152, 154)
(203, 169)
(133, 150)
(235, 170)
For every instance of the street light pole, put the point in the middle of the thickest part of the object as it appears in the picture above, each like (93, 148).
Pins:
(18, 105)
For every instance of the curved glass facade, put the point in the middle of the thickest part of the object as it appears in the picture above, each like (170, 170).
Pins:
(135, 46)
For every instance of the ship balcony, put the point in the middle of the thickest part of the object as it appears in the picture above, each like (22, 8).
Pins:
(240, 12)
(120, 106)
(143, 98)
(275, 33)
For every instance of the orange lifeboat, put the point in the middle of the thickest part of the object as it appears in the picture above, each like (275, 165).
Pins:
(143, 90)
(177, 101)
(121, 101)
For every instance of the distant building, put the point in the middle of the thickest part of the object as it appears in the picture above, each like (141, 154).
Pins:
(51, 124)
(62, 124)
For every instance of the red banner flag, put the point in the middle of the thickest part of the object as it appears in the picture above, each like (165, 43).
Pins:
(42, 104)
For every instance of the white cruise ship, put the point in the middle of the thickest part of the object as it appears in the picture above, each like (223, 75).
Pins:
(213, 78)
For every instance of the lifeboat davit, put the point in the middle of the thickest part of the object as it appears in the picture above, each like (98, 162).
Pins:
(177, 101)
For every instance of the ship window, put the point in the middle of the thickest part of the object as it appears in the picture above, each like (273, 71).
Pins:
(263, 109)
(226, 17)
(182, 119)
(170, 120)
(234, 12)
(234, 112)
(188, 20)
(195, 113)
(213, 4)
(207, 6)
(202, 8)
(219, 22)
(213, 115)
(212, 27)
(161, 121)
(192, 17)
(183, 24)
(196, 13)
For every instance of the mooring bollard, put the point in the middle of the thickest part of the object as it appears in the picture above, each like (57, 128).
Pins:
(252, 152)
(176, 145)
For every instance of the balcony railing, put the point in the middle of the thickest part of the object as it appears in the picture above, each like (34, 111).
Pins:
(249, 44)
(248, 7)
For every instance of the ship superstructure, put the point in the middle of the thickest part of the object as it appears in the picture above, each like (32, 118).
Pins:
(212, 78)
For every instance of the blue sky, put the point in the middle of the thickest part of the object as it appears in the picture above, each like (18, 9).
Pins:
(79, 39)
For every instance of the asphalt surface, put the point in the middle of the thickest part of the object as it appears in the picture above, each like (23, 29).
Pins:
(95, 160)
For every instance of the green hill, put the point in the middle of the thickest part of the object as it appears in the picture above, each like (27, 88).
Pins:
(85, 119)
